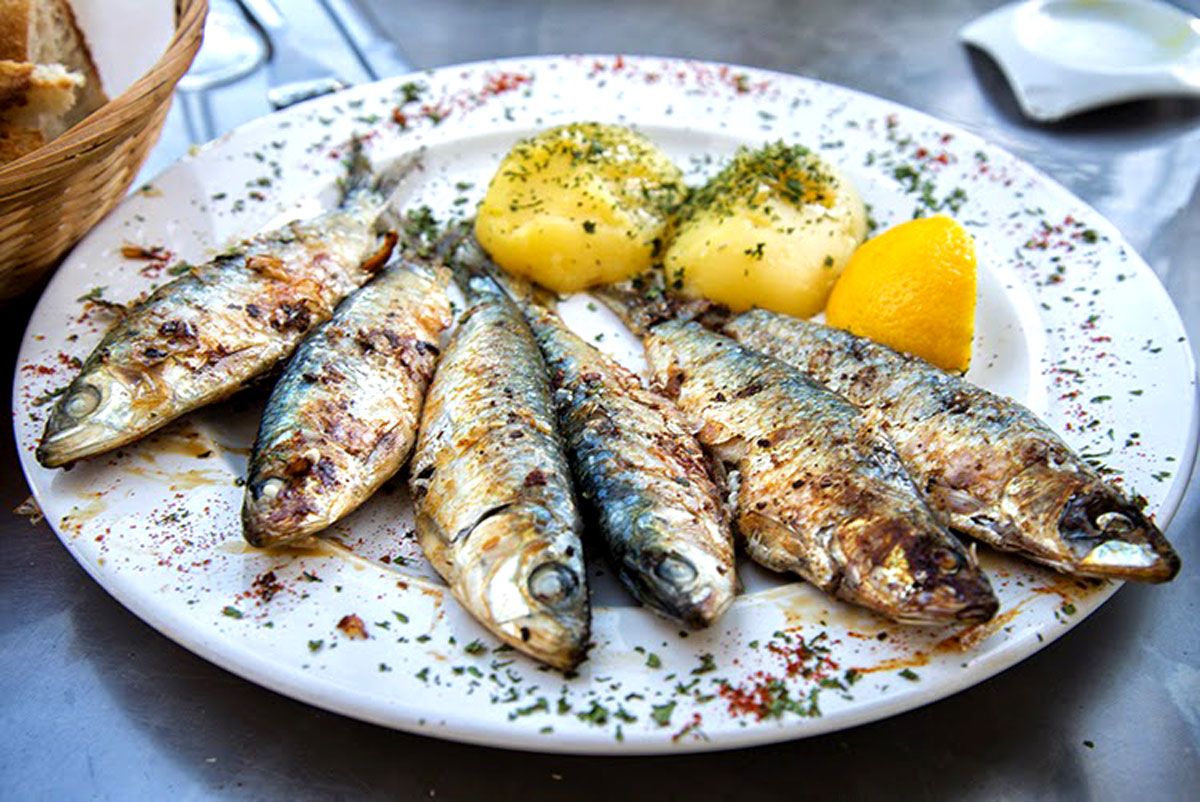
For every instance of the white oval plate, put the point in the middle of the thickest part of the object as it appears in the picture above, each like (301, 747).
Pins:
(1071, 321)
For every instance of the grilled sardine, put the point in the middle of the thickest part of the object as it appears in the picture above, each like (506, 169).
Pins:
(986, 464)
(343, 417)
(202, 337)
(495, 510)
(655, 494)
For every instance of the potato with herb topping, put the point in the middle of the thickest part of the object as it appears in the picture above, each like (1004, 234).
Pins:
(579, 205)
(773, 229)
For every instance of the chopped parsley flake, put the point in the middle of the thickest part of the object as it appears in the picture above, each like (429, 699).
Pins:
(596, 715)
(662, 713)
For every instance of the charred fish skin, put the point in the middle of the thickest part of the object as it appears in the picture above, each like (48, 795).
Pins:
(202, 337)
(986, 464)
(343, 417)
(495, 508)
(639, 469)
(821, 494)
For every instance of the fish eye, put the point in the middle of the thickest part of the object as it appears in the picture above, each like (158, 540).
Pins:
(82, 402)
(675, 570)
(1113, 523)
(552, 582)
(270, 488)
(947, 561)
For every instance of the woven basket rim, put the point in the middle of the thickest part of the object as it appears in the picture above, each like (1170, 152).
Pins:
(113, 118)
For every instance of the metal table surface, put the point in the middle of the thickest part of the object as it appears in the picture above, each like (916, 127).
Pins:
(96, 705)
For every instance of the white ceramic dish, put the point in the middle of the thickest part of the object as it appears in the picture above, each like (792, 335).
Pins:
(1066, 56)
(1071, 321)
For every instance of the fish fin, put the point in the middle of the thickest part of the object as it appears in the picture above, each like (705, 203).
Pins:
(380, 258)
(392, 181)
(637, 309)
(476, 274)
(358, 177)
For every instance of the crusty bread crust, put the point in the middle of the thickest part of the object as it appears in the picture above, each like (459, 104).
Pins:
(16, 142)
(15, 16)
(36, 96)
(16, 79)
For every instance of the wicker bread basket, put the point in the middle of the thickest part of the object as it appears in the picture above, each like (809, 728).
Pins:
(53, 196)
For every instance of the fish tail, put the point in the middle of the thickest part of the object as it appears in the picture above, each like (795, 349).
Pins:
(384, 186)
(424, 245)
(638, 308)
(391, 182)
(359, 174)
(523, 291)
(477, 275)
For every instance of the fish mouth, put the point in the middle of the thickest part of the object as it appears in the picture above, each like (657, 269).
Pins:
(934, 584)
(1124, 560)
(972, 605)
(1112, 539)
(684, 587)
(964, 594)
(966, 598)
(547, 638)
(526, 592)
(276, 513)
(77, 423)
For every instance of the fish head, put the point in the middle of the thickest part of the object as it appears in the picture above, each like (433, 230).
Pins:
(673, 572)
(1111, 537)
(280, 505)
(514, 573)
(1079, 524)
(916, 578)
(96, 407)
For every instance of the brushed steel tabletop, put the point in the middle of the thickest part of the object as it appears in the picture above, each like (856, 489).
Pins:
(94, 704)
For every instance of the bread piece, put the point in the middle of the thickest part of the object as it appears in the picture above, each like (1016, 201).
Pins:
(45, 32)
(37, 96)
(16, 142)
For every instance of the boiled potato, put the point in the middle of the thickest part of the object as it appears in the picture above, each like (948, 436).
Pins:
(773, 229)
(579, 205)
